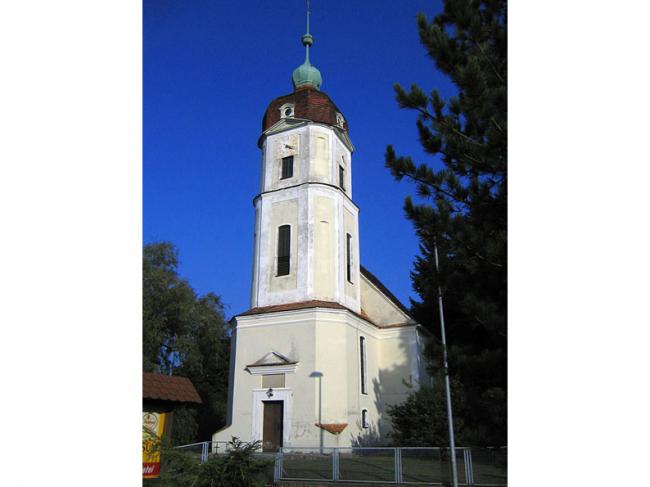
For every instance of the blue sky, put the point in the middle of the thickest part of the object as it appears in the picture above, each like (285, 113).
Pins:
(211, 68)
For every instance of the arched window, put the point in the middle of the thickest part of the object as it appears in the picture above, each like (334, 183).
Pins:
(364, 418)
(284, 250)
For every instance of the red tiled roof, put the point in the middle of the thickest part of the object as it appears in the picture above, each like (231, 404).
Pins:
(306, 305)
(309, 103)
(292, 306)
(315, 304)
(334, 428)
(168, 388)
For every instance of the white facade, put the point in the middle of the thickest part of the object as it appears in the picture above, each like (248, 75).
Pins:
(325, 385)
(323, 339)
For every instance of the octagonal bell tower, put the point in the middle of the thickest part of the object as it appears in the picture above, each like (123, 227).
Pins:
(306, 244)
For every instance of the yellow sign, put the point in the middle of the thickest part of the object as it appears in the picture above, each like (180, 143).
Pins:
(153, 425)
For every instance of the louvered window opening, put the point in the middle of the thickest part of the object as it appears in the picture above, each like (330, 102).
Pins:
(287, 167)
(342, 178)
(284, 250)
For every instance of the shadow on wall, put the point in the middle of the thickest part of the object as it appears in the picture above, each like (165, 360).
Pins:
(392, 387)
(368, 437)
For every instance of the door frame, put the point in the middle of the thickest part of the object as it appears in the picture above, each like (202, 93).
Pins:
(285, 395)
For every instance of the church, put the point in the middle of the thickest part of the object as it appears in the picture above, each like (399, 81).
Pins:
(325, 346)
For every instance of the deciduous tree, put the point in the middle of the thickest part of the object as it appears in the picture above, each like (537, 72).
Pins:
(185, 334)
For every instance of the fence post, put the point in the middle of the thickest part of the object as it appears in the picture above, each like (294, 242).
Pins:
(277, 471)
(470, 468)
(335, 464)
(398, 465)
(465, 464)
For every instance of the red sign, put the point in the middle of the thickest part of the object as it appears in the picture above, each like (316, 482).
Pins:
(150, 470)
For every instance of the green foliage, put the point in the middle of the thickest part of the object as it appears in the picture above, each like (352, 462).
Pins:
(185, 334)
(421, 420)
(238, 468)
(463, 196)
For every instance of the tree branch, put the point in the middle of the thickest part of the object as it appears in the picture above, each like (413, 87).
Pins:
(437, 188)
(496, 124)
(487, 59)
(474, 252)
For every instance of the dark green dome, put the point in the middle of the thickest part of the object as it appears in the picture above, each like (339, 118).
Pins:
(306, 74)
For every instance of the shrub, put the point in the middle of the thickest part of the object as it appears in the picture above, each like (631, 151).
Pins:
(237, 468)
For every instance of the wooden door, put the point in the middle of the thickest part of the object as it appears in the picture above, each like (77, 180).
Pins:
(272, 431)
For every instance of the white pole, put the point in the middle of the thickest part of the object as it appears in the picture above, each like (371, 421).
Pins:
(450, 420)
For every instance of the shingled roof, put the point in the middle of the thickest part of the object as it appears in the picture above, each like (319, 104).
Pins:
(309, 104)
(168, 388)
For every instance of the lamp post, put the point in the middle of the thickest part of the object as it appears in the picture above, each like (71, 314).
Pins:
(319, 376)
(450, 420)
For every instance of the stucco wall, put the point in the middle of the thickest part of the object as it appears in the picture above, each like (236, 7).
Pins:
(326, 383)
(293, 338)
(320, 158)
(324, 259)
(378, 307)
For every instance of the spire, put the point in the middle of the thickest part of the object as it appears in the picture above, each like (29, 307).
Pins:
(307, 39)
(306, 74)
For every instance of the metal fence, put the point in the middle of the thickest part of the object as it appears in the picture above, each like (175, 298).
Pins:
(203, 449)
(408, 465)
(392, 465)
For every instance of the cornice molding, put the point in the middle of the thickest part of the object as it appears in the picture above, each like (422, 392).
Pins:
(322, 315)
(284, 124)
(272, 369)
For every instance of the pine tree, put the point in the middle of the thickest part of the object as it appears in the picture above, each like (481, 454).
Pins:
(463, 203)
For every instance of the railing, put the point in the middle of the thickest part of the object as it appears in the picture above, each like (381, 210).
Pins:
(205, 448)
(392, 465)
(406, 465)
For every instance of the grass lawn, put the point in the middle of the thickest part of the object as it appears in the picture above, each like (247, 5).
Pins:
(417, 466)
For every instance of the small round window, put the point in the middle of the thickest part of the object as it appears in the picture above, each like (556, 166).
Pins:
(288, 112)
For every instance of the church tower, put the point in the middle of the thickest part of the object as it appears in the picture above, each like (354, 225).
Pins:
(325, 346)
(306, 223)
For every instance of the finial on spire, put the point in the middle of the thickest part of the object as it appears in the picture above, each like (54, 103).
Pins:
(307, 39)
(306, 74)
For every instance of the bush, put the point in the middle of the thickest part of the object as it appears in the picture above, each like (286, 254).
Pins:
(237, 468)
(421, 420)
